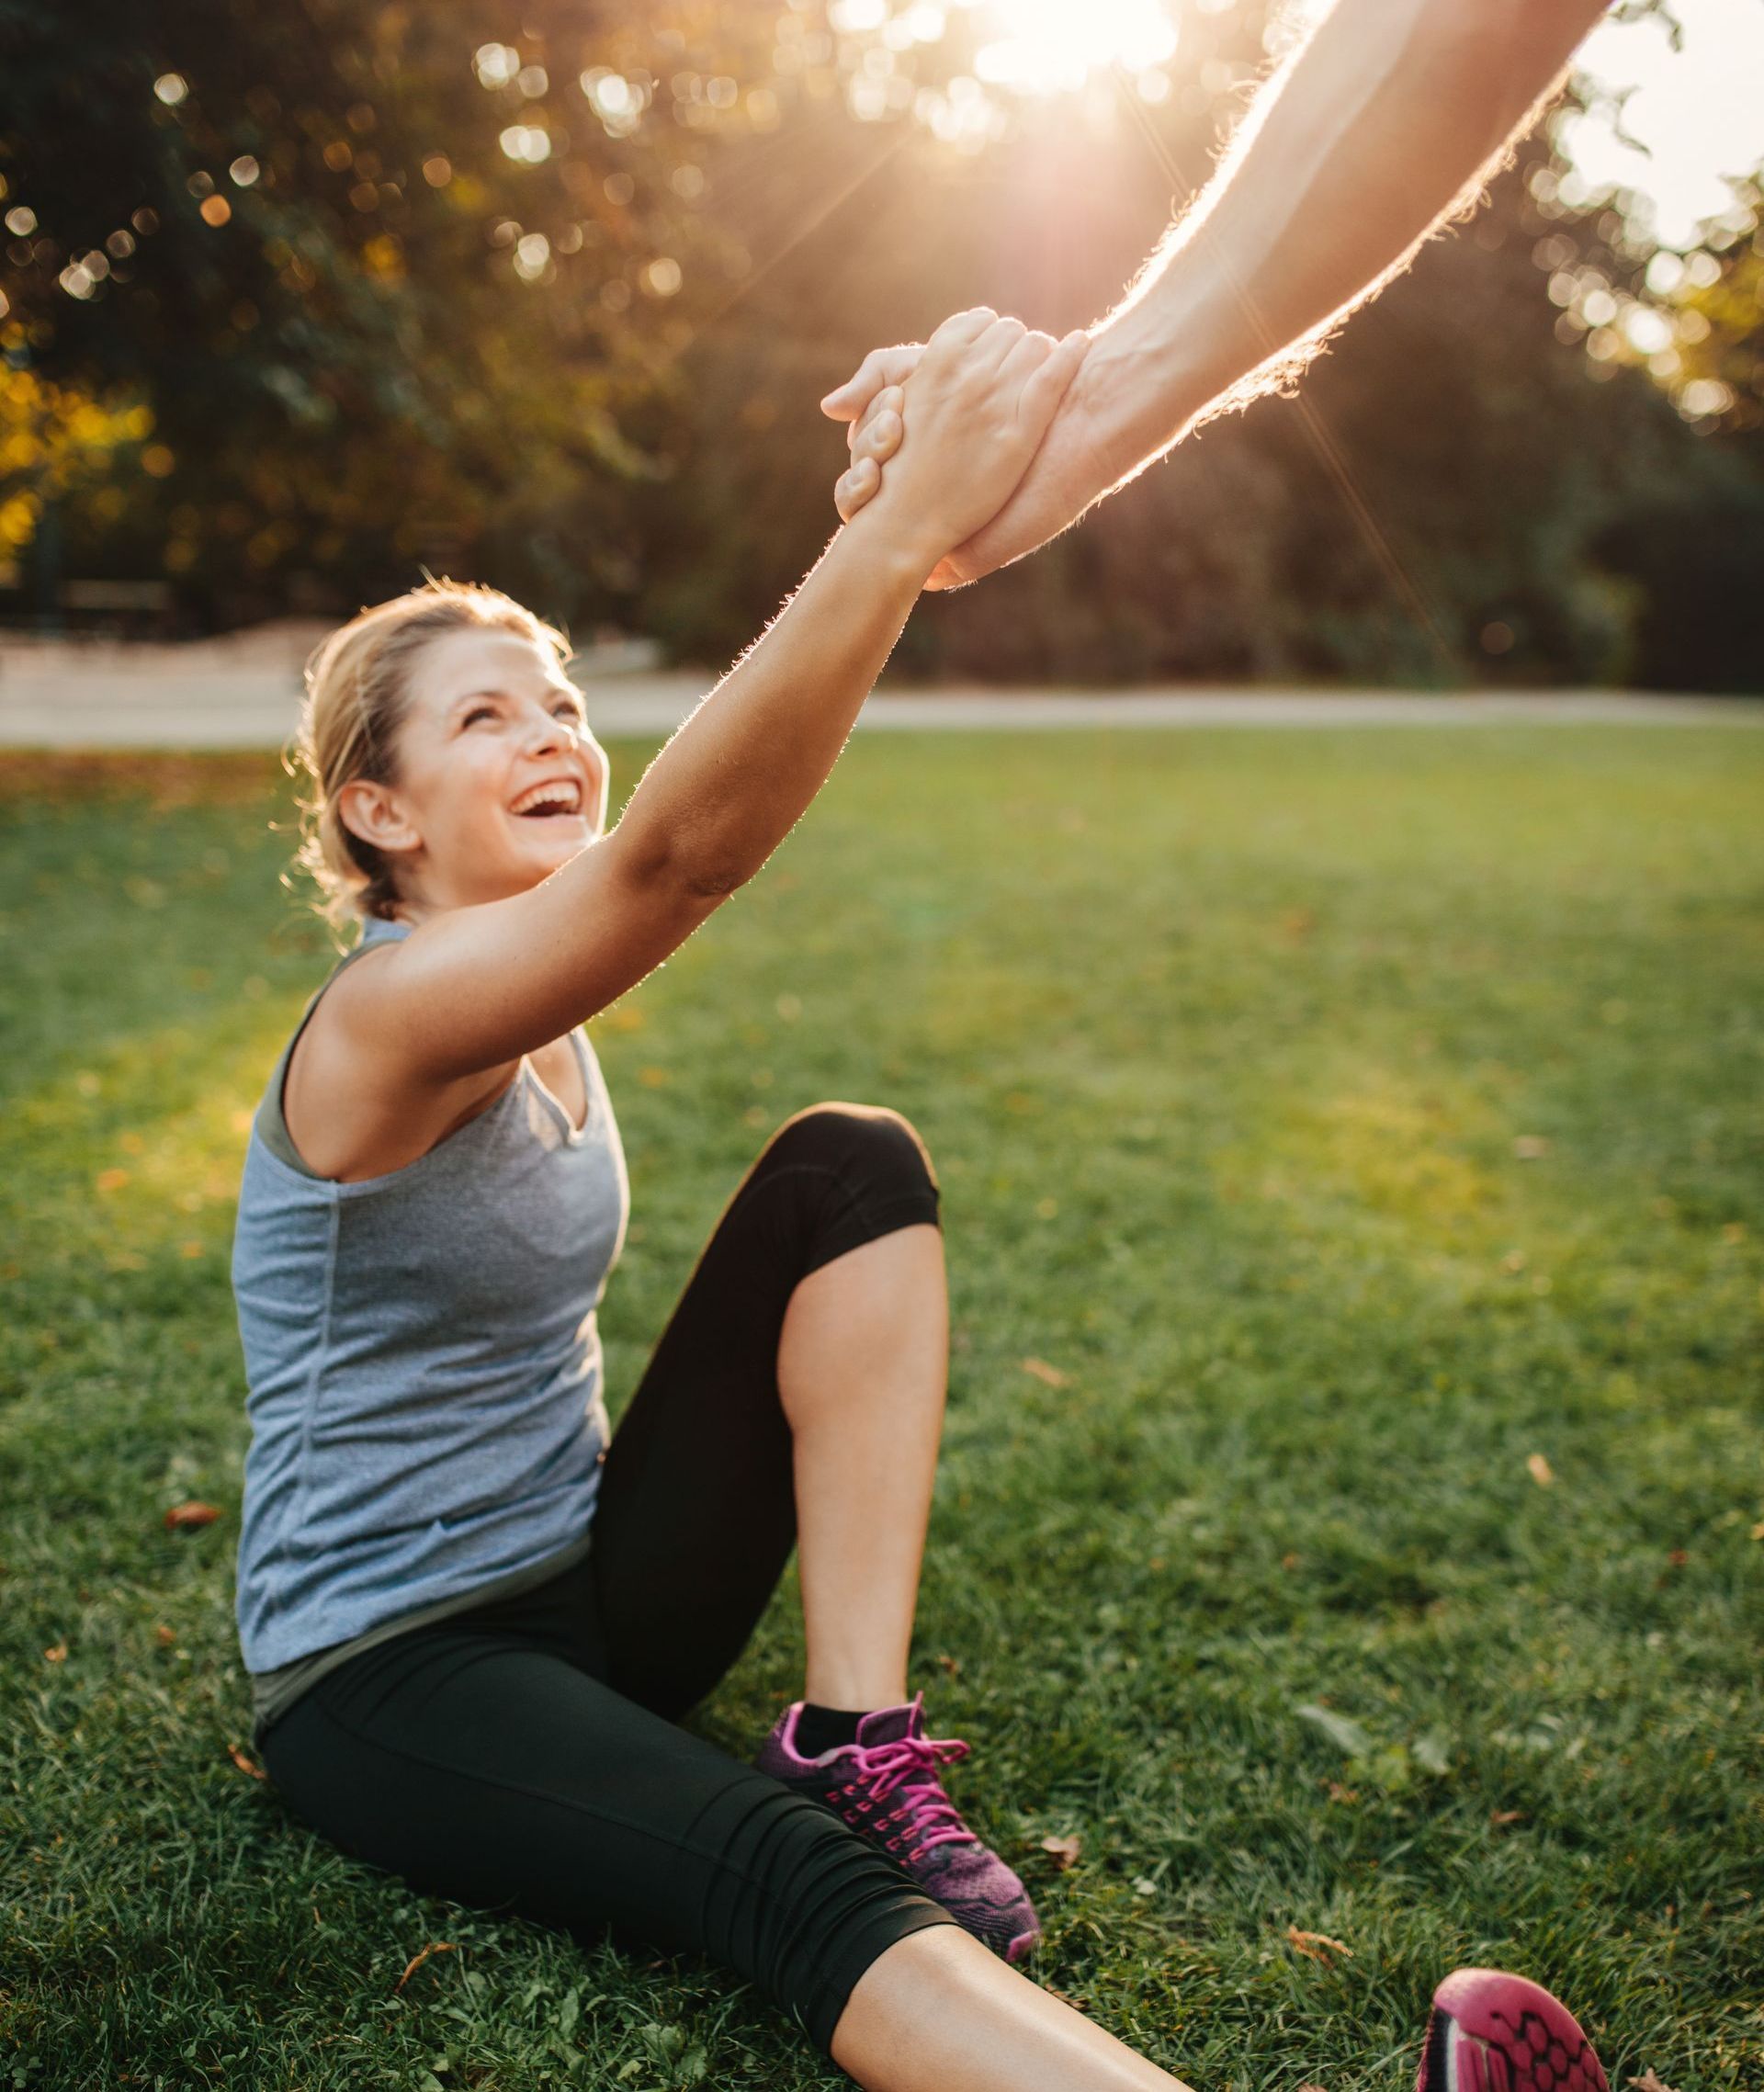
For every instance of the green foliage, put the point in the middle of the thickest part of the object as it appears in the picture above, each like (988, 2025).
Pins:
(1347, 1118)
(552, 301)
(368, 334)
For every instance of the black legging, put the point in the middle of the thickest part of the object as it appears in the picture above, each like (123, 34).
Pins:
(523, 1755)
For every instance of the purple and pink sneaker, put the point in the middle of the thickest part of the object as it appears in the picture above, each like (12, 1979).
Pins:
(886, 1787)
(1494, 2032)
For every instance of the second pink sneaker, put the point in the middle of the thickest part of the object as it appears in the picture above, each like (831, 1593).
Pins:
(1494, 2032)
(886, 1785)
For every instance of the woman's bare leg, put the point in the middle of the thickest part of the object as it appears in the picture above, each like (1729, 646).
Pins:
(863, 1369)
(938, 2012)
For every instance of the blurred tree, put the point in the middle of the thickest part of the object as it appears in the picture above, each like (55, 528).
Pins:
(382, 285)
(52, 441)
(550, 297)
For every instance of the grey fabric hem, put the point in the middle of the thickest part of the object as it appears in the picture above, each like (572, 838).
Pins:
(273, 1692)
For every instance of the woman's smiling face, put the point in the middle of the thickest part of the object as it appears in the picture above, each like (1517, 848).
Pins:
(496, 779)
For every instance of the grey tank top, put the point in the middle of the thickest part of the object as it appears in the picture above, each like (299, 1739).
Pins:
(423, 1371)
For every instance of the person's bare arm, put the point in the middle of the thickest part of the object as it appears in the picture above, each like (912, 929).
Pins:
(1382, 126)
(474, 988)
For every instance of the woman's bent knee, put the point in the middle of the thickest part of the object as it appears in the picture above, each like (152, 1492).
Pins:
(870, 1145)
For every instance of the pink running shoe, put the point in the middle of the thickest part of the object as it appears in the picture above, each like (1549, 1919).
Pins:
(886, 1786)
(1494, 2032)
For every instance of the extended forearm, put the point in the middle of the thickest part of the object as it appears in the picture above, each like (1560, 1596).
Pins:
(1387, 119)
(736, 777)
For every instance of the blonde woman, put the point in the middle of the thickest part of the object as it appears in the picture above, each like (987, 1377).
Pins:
(473, 1618)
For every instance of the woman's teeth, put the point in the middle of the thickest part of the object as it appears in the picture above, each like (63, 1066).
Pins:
(563, 798)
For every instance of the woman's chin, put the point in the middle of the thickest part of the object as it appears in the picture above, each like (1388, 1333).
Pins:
(557, 839)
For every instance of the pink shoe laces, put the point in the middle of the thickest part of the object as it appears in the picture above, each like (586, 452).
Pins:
(924, 1813)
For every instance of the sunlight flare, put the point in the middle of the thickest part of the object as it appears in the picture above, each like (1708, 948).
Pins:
(1050, 46)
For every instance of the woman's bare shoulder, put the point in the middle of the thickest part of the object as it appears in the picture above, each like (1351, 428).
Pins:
(355, 1100)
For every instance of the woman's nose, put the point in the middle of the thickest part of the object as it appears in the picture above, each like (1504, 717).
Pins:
(547, 731)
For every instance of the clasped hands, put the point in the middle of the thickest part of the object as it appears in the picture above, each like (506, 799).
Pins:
(883, 401)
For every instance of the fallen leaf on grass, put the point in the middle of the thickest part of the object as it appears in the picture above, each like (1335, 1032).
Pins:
(416, 1961)
(1540, 1470)
(950, 1664)
(1063, 1851)
(181, 1515)
(1649, 2081)
(1433, 1752)
(242, 1763)
(58, 1655)
(1758, 1530)
(1501, 1818)
(163, 1637)
(1345, 1734)
(1347, 1796)
(1316, 1945)
(1043, 1371)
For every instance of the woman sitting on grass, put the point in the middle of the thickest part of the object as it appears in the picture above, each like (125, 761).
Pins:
(473, 1623)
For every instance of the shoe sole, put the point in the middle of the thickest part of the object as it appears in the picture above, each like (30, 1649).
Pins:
(1494, 2032)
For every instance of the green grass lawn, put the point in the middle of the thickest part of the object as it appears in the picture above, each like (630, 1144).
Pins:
(1364, 1135)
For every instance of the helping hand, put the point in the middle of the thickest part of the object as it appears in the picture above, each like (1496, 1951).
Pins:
(983, 391)
(1068, 473)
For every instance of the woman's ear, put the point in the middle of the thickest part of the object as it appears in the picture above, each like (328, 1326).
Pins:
(373, 815)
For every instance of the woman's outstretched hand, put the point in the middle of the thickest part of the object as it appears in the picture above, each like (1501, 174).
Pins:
(872, 440)
(961, 425)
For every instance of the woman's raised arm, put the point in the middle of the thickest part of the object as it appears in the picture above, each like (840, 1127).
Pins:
(474, 988)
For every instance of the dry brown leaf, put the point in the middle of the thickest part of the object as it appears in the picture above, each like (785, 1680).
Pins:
(58, 1655)
(181, 1515)
(1649, 2081)
(1316, 1945)
(1063, 1851)
(163, 1637)
(1758, 1530)
(111, 1180)
(1540, 1470)
(1347, 1796)
(416, 1961)
(243, 1763)
(1043, 1371)
(949, 1665)
(1310, 2088)
(1501, 1818)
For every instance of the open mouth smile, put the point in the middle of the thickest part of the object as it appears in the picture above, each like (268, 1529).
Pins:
(556, 796)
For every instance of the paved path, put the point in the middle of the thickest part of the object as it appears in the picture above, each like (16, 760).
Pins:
(242, 693)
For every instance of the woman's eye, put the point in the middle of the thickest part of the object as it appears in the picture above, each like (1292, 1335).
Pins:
(479, 712)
